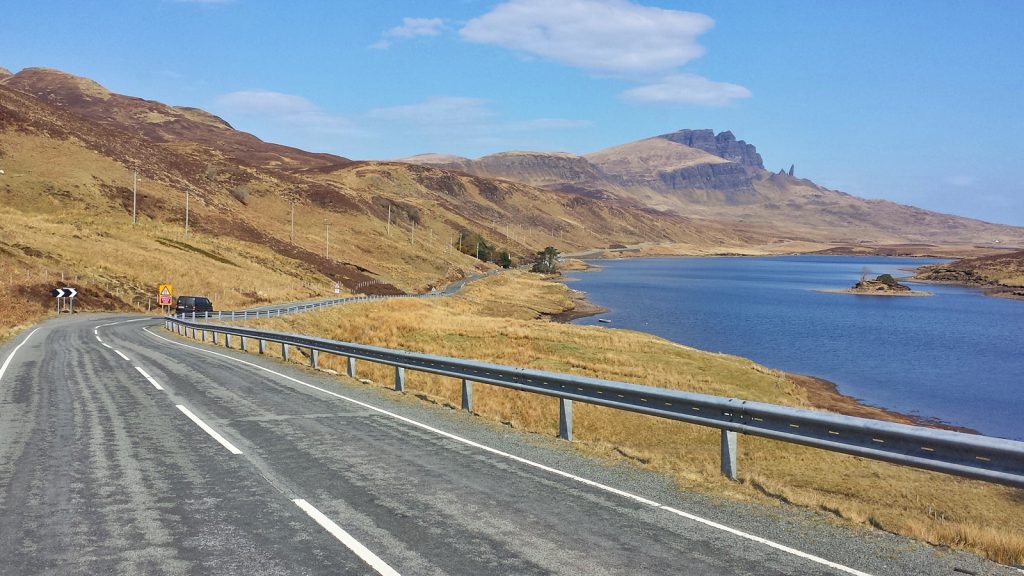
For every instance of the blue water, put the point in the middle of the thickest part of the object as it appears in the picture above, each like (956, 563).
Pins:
(957, 356)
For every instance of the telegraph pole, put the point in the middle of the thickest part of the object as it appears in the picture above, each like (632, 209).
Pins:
(135, 192)
(186, 214)
(412, 239)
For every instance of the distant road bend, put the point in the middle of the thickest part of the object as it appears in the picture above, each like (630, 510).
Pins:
(124, 450)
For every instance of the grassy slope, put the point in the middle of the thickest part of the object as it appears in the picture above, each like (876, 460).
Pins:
(501, 320)
(65, 202)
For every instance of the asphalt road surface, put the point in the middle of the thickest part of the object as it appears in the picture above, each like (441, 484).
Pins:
(126, 450)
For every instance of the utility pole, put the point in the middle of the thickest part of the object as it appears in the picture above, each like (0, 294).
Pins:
(412, 239)
(477, 250)
(186, 214)
(293, 222)
(135, 192)
(328, 251)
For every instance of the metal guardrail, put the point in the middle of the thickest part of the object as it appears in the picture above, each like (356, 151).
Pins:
(268, 312)
(972, 456)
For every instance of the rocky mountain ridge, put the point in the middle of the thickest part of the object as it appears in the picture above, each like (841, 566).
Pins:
(718, 177)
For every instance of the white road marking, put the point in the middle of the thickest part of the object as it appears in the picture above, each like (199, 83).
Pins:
(216, 436)
(119, 353)
(100, 340)
(764, 541)
(107, 345)
(150, 378)
(13, 352)
(538, 465)
(345, 538)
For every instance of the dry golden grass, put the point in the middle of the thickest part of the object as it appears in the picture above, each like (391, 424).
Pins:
(501, 320)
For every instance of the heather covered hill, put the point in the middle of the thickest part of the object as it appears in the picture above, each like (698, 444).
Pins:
(158, 122)
(68, 148)
(1001, 274)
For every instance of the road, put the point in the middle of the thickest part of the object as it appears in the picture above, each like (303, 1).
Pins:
(125, 450)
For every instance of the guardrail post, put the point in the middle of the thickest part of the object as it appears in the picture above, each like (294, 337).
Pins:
(565, 419)
(314, 357)
(243, 344)
(284, 352)
(193, 315)
(227, 340)
(203, 332)
(729, 454)
(263, 346)
(232, 315)
(399, 379)
(467, 395)
(220, 314)
(351, 367)
(214, 337)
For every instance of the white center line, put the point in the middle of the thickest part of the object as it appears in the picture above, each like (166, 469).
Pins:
(223, 441)
(107, 345)
(100, 340)
(527, 462)
(150, 378)
(345, 538)
(119, 353)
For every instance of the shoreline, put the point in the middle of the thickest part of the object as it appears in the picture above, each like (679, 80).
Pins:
(825, 395)
(993, 290)
(853, 292)
(821, 394)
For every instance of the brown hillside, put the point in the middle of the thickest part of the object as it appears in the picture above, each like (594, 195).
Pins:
(159, 122)
(68, 148)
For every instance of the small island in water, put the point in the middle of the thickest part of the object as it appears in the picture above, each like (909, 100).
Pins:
(883, 285)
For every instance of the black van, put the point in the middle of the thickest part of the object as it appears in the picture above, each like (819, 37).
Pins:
(188, 304)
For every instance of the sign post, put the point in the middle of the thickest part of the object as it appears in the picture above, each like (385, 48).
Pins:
(65, 299)
(165, 295)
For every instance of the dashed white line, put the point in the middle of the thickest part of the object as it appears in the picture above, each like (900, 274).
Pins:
(150, 378)
(598, 485)
(345, 538)
(213, 433)
(107, 345)
(119, 353)
(13, 352)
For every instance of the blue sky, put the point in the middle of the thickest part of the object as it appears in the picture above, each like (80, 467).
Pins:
(920, 102)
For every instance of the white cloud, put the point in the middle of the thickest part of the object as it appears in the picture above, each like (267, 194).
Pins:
(961, 181)
(688, 89)
(445, 122)
(410, 28)
(616, 37)
(265, 102)
(602, 35)
(443, 110)
(286, 110)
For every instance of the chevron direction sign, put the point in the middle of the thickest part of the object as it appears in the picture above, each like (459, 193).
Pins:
(63, 292)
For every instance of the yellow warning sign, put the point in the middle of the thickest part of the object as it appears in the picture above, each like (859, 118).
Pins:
(166, 294)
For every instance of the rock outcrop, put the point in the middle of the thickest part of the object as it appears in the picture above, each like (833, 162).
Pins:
(723, 145)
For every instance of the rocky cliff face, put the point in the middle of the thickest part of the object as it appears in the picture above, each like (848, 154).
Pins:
(538, 168)
(729, 178)
(723, 145)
